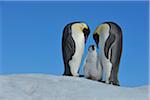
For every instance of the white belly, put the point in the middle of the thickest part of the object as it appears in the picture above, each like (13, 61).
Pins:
(107, 66)
(79, 49)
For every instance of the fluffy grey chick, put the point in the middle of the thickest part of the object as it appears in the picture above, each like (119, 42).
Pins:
(92, 66)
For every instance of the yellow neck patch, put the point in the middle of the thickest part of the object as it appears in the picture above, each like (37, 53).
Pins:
(84, 26)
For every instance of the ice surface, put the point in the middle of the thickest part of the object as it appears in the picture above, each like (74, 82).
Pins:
(50, 87)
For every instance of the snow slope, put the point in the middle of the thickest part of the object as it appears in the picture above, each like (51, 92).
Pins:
(48, 87)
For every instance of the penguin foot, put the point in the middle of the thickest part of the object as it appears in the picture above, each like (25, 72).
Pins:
(116, 84)
(81, 75)
(101, 81)
(67, 74)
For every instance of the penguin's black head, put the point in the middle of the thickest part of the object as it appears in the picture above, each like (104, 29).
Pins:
(86, 31)
(96, 38)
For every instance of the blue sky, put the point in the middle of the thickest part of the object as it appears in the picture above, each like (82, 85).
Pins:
(31, 35)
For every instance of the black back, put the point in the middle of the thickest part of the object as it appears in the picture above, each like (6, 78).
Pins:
(68, 48)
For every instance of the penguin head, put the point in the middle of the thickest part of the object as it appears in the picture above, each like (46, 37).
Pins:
(99, 31)
(92, 48)
(81, 26)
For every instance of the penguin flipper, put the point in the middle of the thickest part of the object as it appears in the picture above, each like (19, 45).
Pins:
(110, 40)
(81, 75)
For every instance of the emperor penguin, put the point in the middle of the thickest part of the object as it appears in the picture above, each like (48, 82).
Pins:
(92, 66)
(74, 38)
(109, 37)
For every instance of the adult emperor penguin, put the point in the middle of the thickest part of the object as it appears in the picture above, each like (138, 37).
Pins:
(74, 38)
(92, 66)
(109, 37)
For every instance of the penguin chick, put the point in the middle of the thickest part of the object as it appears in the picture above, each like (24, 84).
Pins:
(92, 66)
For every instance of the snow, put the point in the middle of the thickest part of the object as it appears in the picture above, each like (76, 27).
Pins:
(50, 87)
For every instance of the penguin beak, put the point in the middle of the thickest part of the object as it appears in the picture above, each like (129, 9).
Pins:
(96, 38)
(86, 32)
(93, 47)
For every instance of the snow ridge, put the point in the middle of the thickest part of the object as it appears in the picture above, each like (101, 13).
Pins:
(50, 87)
